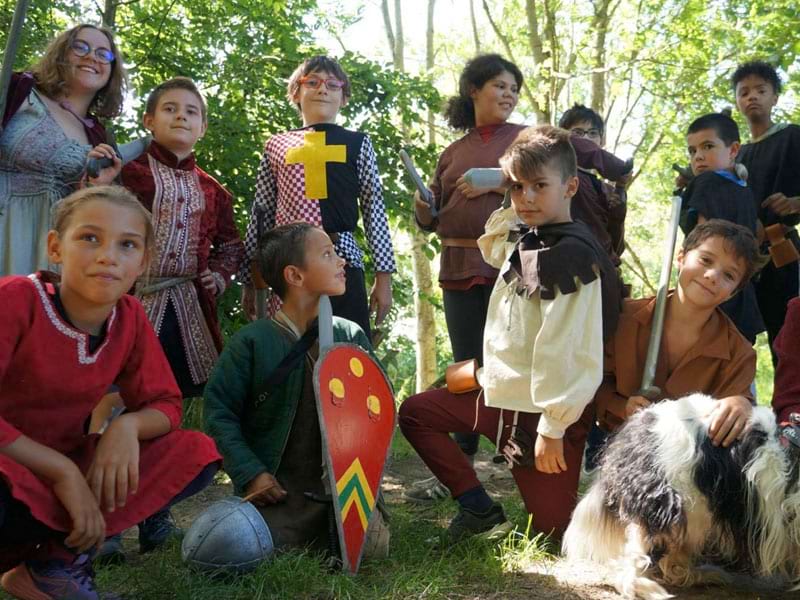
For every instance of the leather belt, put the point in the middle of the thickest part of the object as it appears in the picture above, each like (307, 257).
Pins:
(459, 243)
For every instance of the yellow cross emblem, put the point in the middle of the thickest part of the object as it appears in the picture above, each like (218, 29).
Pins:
(314, 155)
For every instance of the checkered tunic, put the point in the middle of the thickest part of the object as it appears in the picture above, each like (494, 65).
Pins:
(344, 164)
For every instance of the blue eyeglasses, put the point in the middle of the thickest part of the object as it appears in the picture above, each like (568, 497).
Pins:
(81, 48)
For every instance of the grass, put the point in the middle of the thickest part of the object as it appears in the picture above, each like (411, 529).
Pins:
(421, 565)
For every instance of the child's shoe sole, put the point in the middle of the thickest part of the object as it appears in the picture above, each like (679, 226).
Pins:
(19, 583)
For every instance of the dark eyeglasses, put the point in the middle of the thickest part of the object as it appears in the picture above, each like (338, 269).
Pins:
(585, 132)
(81, 48)
(315, 82)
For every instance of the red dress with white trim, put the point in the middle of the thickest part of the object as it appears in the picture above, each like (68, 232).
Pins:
(50, 381)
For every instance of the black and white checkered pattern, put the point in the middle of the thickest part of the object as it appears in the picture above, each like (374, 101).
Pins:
(280, 193)
(373, 210)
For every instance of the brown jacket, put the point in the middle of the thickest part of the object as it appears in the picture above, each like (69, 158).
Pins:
(723, 363)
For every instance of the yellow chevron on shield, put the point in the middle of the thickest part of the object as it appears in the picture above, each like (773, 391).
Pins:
(354, 493)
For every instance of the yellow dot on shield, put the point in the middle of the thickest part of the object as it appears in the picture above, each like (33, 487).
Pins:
(356, 367)
(336, 387)
(373, 404)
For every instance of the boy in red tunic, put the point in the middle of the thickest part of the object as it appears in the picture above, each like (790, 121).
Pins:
(61, 346)
(198, 248)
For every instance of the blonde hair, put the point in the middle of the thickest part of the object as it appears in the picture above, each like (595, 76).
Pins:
(113, 194)
(53, 72)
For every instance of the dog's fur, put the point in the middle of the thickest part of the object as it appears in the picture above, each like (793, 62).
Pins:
(666, 496)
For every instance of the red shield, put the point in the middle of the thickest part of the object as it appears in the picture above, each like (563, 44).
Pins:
(357, 417)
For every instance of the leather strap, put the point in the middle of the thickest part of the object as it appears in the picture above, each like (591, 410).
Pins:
(459, 243)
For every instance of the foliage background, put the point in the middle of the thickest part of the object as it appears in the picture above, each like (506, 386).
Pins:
(649, 66)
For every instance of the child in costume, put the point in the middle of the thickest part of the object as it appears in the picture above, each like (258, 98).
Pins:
(556, 297)
(49, 126)
(62, 344)
(701, 349)
(717, 192)
(488, 92)
(598, 204)
(316, 174)
(266, 426)
(198, 248)
(771, 156)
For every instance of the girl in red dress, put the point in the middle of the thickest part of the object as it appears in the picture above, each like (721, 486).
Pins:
(63, 342)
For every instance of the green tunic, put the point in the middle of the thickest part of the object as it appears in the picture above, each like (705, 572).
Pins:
(251, 432)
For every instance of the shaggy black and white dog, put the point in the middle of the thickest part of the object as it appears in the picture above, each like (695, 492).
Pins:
(666, 497)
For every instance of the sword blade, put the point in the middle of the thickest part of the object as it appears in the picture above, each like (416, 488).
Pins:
(423, 190)
(10, 53)
(648, 390)
(325, 321)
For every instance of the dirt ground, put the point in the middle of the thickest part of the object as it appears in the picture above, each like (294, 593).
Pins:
(545, 580)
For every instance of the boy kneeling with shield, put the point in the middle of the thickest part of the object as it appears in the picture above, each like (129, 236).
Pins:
(287, 412)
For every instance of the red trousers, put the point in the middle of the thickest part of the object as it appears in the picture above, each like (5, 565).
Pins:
(427, 419)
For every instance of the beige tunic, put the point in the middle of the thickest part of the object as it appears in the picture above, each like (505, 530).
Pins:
(540, 356)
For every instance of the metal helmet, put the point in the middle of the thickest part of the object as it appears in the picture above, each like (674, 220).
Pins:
(230, 535)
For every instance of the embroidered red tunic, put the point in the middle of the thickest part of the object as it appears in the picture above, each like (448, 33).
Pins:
(50, 382)
(194, 228)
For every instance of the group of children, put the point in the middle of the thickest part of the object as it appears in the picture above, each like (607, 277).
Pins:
(561, 349)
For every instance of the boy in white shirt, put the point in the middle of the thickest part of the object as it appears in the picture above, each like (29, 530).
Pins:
(556, 298)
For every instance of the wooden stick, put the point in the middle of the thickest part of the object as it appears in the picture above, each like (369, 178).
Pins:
(257, 493)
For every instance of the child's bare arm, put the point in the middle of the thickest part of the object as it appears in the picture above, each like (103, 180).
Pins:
(69, 486)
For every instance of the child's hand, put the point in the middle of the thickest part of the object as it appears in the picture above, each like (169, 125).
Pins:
(107, 175)
(471, 192)
(265, 490)
(380, 298)
(549, 455)
(422, 210)
(114, 472)
(782, 205)
(634, 404)
(208, 282)
(728, 419)
(88, 524)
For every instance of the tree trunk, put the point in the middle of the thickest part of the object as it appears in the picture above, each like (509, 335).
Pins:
(600, 27)
(474, 22)
(110, 13)
(423, 280)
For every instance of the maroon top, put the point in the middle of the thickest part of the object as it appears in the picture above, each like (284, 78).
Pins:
(461, 217)
(18, 91)
(214, 237)
(592, 203)
(786, 397)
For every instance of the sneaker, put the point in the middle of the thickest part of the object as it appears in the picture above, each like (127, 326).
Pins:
(53, 580)
(111, 552)
(491, 525)
(155, 531)
(426, 491)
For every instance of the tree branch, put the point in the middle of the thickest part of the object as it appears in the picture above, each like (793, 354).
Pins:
(526, 89)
